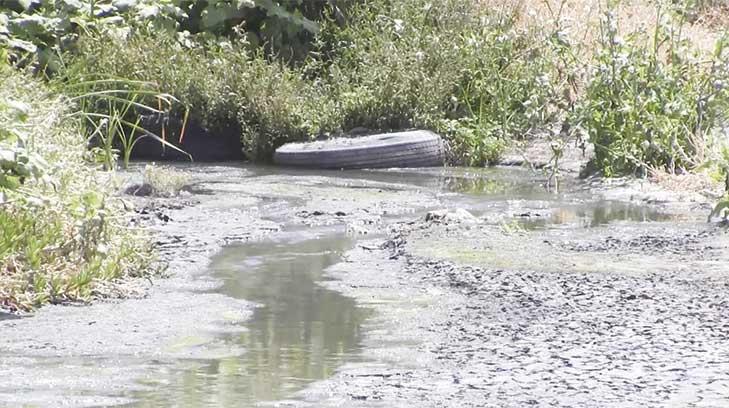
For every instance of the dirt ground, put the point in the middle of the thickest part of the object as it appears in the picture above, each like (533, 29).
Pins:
(510, 296)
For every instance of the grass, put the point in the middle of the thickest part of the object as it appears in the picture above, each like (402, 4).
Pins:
(646, 83)
(391, 67)
(581, 18)
(165, 181)
(483, 74)
(649, 103)
(223, 86)
(61, 233)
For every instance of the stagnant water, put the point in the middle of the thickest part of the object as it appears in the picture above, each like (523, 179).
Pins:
(303, 332)
(300, 333)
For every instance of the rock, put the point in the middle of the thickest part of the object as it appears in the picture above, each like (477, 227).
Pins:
(140, 190)
(436, 215)
(458, 216)
(461, 216)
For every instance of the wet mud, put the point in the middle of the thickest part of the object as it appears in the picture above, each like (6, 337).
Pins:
(335, 289)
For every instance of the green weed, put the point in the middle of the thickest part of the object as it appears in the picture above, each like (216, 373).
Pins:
(165, 181)
(60, 232)
(111, 110)
(651, 104)
(449, 66)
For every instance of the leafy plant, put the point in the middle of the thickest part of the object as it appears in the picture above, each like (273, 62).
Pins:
(452, 66)
(225, 87)
(472, 142)
(60, 233)
(650, 105)
(38, 32)
(722, 206)
(393, 65)
(165, 181)
(17, 161)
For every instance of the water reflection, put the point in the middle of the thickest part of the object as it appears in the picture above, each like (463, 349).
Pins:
(594, 214)
(301, 333)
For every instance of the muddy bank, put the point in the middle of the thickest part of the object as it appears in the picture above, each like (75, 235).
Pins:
(528, 297)
(478, 315)
(113, 352)
(94, 355)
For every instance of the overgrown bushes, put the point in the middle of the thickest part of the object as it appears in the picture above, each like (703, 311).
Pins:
(37, 32)
(456, 67)
(221, 83)
(450, 66)
(652, 104)
(61, 234)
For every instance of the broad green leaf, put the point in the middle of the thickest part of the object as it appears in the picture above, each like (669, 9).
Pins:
(9, 182)
(93, 199)
(215, 16)
(124, 5)
(31, 26)
(20, 109)
(148, 12)
(245, 3)
(70, 6)
(7, 158)
(4, 20)
(27, 4)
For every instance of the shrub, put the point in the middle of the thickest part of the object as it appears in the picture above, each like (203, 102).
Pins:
(394, 65)
(165, 181)
(38, 32)
(61, 235)
(650, 104)
(221, 83)
(451, 66)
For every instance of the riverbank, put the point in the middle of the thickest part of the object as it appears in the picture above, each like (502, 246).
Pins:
(180, 317)
(548, 312)
(637, 319)
(439, 292)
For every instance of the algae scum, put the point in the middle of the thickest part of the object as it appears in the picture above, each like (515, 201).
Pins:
(299, 332)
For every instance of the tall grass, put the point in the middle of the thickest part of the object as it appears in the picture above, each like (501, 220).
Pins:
(449, 66)
(62, 235)
(480, 76)
(651, 104)
(111, 111)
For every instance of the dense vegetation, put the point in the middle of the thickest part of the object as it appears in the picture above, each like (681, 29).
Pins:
(390, 67)
(283, 71)
(62, 235)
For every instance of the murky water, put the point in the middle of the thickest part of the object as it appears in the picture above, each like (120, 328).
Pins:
(303, 332)
(300, 333)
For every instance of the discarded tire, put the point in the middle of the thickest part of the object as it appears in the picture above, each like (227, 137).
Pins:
(417, 148)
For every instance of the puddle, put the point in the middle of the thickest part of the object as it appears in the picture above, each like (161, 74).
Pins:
(591, 215)
(301, 332)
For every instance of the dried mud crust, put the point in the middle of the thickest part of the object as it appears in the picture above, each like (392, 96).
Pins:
(689, 244)
(479, 336)
(95, 355)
